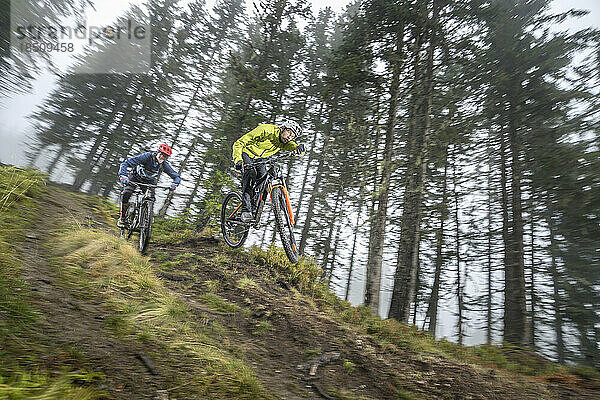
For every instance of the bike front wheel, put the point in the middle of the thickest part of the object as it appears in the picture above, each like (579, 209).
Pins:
(145, 226)
(284, 224)
(234, 230)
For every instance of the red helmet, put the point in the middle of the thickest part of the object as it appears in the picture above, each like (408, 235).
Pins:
(163, 148)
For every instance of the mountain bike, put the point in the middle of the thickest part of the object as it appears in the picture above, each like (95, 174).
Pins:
(235, 231)
(140, 215)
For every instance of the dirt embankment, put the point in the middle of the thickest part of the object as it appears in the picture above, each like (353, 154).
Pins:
(294, 344)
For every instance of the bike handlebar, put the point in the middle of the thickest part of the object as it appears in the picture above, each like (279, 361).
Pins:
(269, 160)
(147, 185)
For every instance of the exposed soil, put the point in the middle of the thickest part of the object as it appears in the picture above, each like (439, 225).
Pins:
(299, 330)
(283, 334)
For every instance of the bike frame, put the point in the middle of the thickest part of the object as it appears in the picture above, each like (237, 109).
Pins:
(140, 199)
(272, 179)
(138, 222)
(272, 184)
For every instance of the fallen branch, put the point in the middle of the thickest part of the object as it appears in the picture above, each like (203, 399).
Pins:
(312, 365)
(147, 362)
(205, 310)
(173, 277)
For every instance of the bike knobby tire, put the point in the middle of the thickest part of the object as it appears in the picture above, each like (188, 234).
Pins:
(234, 231)
(284, 225)
(145, 226)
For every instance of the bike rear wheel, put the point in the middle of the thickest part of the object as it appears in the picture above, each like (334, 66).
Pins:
(234, 230)
(284, 225)
(145, 226)
(133, 221)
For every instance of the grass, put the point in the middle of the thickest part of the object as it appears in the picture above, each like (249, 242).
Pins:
(247, 284)
(211, 286)
(261, 328)
(36, 386)
(173, 230)
(143, 309)
(304, 275)
(217, 303)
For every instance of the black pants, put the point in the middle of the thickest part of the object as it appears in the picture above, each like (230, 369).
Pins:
(128, 189)
(251, 175)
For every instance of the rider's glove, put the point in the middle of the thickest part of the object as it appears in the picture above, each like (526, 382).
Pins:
(123, 179)
(173, 186)
(239, 165)
(300, 149)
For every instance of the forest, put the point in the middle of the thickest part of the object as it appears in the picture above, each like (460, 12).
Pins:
(453, 148)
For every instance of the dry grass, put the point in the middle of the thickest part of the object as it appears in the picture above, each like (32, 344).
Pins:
(144, 309)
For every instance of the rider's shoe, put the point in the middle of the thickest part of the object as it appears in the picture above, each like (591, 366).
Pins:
(246, 217)
(122, 223)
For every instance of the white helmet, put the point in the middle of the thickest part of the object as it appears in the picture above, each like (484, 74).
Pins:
(293, 126)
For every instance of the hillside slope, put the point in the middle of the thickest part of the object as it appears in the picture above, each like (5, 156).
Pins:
(85, 316)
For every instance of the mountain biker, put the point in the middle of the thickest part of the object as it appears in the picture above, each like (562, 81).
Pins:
(263, 141)
(144, 168)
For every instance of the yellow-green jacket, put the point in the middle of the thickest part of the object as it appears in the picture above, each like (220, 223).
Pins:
(262, 141)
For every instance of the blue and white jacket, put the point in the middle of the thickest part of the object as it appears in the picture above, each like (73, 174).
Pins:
(151, 167)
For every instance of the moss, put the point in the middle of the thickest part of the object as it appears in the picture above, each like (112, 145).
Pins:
(312, 353)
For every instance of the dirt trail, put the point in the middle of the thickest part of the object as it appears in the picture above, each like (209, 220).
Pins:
(73, 324)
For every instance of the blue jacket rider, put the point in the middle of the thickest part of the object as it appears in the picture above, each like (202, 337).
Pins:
(144, 168)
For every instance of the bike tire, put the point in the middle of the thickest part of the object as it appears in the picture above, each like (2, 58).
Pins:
(133, 221)
(145, 226)
(234, 233)
(284, 225)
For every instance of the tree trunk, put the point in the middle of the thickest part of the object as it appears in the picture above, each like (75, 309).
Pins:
(432, 309)
(556, 296)
(375, 255)
(407, 261)
(515, 318)
(507, 240)
(532, 295)
(335, 251)
(54, 162)
(459, 284)
(488, 321)
(311, 156)
(191, 196)
(351, 268)
(332, 220)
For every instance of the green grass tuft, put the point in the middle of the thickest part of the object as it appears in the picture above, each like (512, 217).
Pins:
(173, 230)
(217, 303)
(37, 386)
